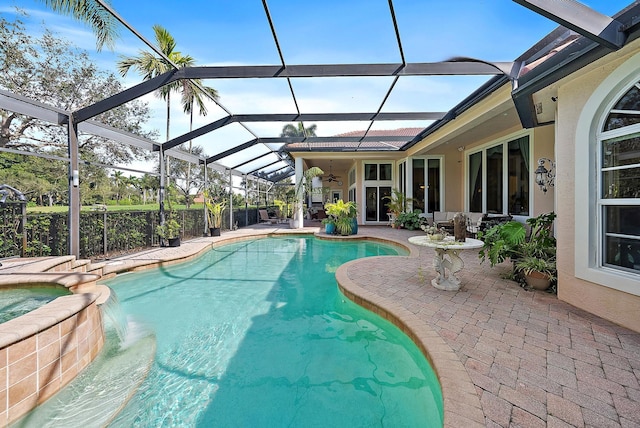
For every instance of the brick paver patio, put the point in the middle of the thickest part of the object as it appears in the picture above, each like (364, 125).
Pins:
(535, 361)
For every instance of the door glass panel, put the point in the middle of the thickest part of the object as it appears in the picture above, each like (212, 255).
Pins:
(475, 182)
(371, 194)
(419, 185)
(434, 185)
(519, 176)
(494, 180)
(382, 212)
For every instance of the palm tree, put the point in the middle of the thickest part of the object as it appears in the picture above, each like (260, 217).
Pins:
(92, 13)
(150, 65)
(292, 131)
(119, 182)
(193, 92)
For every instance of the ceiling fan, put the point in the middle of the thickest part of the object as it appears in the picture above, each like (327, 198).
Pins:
(332, 177)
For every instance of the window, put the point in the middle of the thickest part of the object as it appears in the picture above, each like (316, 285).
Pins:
(492, 190)
(377, 181)
(619, 184)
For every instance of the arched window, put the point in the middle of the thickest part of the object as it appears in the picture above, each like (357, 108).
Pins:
(618, 183)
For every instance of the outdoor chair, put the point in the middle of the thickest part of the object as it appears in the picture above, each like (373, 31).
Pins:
(264, 217)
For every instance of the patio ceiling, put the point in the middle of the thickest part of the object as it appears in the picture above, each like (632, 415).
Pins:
(231, 140)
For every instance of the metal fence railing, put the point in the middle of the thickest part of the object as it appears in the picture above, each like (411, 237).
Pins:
(102, 233)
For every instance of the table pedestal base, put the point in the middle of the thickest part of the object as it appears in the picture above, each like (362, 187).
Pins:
(441, 263)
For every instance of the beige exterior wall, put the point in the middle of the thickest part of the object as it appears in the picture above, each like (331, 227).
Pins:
(543, 147)
(580, 104)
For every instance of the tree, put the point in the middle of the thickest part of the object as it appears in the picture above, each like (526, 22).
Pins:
(150, 65)
(49, 69)
(299, 131)
(186, 182)
(91, 12)
(192, 92)
(150, 184)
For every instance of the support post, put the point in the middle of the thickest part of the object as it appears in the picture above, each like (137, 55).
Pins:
(204, 198)
(161, 191)
(74, 189)
(298, 215)
(230, 200)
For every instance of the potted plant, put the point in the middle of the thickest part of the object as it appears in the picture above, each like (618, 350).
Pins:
(214, 212)
(501, 241)
(169, 232)
(538, 272)
(344, 216)
(397, 202)
(533, 256)
(329, 225)
(410, 220)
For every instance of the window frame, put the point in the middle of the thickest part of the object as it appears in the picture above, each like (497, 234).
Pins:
(588, 222)
(504, 142)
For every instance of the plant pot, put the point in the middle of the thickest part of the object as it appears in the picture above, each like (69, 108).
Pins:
(354, 226)
(436, 237)
(537, 280)
(330, 228)
(174, 242)
(214, 231)
(294, 223)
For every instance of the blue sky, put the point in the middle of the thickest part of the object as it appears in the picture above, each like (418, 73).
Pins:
(236, 32)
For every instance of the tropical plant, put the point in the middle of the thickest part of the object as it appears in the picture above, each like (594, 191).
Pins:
(214, 209)
(150, 66)
(169, 230)
(299, 131)
(91, 12)
(530, 264)
(501, 241)
(410, 220)
(343, 214)
(533, 253)
(398, 202)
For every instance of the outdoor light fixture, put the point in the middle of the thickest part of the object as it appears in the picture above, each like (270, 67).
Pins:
(545, 177)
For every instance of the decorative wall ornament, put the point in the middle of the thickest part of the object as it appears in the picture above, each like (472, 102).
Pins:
(545, 178)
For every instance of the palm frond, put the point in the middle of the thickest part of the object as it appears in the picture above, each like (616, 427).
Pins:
(92, 13)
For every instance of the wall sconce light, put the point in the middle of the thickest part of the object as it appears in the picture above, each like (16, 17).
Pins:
(545, 177)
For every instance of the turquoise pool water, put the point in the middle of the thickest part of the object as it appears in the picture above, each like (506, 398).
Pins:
(15, 302)
(256, 334)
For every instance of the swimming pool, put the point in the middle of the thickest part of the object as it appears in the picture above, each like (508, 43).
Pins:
(256, 334)
(18, 301)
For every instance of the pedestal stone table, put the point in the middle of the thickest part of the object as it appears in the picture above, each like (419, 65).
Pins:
(447, 257)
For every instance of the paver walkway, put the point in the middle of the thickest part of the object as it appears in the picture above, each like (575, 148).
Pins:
(535, 361)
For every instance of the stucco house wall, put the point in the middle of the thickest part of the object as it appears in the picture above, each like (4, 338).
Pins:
(581, 100)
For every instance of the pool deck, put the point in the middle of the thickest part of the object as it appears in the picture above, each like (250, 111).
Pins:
(506, 356)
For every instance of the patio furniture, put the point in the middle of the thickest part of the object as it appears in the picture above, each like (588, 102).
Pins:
(392, 219)
(264, 217)
(447, 257)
